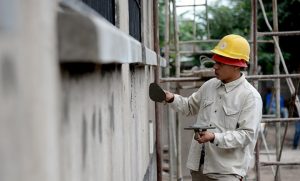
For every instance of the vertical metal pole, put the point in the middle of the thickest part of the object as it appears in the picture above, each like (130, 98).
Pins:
(176, 40)
(254, 71)
(207, 22)
(179, 164)
(194, 26)
(167, 74)
(167, 37)
(254, 36)
(157, 77)
(257, 159)
(177, 48)
(277, 88)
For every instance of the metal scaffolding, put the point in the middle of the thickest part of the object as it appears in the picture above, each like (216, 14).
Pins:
(174, 147)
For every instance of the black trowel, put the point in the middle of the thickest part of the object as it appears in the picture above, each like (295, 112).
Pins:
(156, 93)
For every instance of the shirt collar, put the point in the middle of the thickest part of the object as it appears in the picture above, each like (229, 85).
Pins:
(231, 85)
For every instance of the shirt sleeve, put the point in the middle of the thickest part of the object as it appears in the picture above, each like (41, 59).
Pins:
(249, 125)
(187, 105)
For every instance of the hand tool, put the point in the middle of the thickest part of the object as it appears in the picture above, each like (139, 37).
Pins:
(156, 93)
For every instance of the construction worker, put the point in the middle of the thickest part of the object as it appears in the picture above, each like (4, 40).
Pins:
(232, 105)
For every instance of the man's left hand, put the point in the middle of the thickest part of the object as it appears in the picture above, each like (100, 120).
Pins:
(204, 136)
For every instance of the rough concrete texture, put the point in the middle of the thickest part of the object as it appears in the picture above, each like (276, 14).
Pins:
(86, 122)
(105, 128)
(28, 91)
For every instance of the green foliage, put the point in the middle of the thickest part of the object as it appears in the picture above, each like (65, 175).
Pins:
(227, 20)
(161, 21)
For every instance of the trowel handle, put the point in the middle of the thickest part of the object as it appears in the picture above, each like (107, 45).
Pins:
(198, 130)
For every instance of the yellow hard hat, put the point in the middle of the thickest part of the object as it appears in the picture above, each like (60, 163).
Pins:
(233, 46)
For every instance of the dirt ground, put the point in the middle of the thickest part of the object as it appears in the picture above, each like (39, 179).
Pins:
(287, 173)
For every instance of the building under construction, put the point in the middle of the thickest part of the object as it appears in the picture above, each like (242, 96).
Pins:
(74, 85)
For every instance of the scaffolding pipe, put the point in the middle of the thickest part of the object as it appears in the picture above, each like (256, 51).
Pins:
(181, 79)
(276, 120)
(199, 41)
(177, 64)
(167, 37)
(254, 37)
(157, 109)
(207, 22)
(279, 33)
(280, 76)
(258, 77)
(190, 5)
(171, 131)
(194, 52)
(176, 40)
(277, 88)
(278, 163)
(216, 41)
(254, 71)
(194, 25)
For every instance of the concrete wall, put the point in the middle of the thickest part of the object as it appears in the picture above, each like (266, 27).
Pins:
(105, 129)
(28, 91)
(108, 124)
(81, 119)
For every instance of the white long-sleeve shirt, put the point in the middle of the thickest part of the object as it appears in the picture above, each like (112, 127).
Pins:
(235, 109)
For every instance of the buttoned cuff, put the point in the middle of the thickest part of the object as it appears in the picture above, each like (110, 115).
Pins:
(217, 139)
(175, 99)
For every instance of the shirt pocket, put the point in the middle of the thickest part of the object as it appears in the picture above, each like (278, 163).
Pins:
(231, 117)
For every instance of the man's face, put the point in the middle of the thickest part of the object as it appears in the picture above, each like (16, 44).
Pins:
(225, 73)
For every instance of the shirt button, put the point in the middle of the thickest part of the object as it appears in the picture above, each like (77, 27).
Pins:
(215, 111)
(216, 144)
(220, 97)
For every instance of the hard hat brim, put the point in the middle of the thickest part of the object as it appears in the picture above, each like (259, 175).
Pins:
(229, 61)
